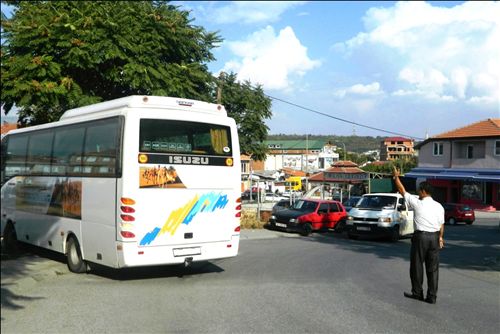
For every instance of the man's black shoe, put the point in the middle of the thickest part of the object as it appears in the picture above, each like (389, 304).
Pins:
(412, 296)
(430, 300)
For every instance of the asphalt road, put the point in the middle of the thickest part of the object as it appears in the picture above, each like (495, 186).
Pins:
(279, 283)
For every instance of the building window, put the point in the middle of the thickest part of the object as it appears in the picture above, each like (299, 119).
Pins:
(438, 149)
(497, 147)
(470, 151)
(472, 191)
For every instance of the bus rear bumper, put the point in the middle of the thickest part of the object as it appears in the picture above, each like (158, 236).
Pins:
(133, 256)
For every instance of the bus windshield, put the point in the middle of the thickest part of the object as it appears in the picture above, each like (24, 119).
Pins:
(181, 137)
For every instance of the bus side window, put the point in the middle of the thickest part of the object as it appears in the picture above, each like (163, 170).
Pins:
(67, 152)
(15, 156)
(39, 153)
(101, 148)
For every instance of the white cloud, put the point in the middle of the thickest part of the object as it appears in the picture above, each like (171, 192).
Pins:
(442, 53)
(269, 59)
(360, 89)
(250, 12)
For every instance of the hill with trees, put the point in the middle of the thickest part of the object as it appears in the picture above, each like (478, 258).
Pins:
(356, 144)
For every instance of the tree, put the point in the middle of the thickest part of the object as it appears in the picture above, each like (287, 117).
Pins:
(249, 106)
(59, 55)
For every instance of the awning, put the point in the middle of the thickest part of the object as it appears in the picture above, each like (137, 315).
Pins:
(471, 174)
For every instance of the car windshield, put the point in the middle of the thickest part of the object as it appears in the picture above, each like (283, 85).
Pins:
(351, 201)
(377, 202)
(305, 206)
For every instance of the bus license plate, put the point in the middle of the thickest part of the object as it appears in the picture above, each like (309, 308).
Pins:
(187, 251)
(363, 228)
(281, 225)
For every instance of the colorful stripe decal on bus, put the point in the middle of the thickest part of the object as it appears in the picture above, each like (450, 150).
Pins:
(184, 215)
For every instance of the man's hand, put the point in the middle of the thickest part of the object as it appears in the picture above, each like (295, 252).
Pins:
(395, 171)
(441, 243)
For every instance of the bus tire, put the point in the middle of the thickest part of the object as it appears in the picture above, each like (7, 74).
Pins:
(76, 264)
(10, 244)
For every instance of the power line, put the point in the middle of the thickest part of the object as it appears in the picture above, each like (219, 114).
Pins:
(340, 119)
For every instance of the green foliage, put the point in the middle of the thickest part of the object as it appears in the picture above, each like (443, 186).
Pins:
(358, 144)
(249, 106)
(59, 55)
(405, 165)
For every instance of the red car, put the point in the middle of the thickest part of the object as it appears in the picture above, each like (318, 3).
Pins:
(454, 213)
(307, 215)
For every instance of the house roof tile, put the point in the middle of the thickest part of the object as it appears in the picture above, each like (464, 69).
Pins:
(486, 128)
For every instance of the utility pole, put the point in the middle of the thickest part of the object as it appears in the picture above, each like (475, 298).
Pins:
(307, 162)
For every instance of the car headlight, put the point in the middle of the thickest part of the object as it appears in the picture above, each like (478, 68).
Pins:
(273, 217)
(385, 221)
(292, 220)
(349, 220)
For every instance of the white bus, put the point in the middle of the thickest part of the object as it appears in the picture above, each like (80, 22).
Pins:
(136, 181)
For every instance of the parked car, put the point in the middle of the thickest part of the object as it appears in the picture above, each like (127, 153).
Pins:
(246, 194)
(281, 205)
(351, 202)
(382, 214)
(455, 213)
(308, 215)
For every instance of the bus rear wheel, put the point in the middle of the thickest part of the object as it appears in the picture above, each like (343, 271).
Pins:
(76, 263)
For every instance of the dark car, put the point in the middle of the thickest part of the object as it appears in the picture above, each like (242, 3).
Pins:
(351, 202)
(455, 213)
(307, 215)
(246, 194)
(281, 205)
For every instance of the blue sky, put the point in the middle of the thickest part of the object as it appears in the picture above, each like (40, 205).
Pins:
(406, 67)
(412, 68)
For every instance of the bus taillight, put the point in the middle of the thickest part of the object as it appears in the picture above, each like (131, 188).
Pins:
(127, 218)
(127, 209)
(238, 208)
(237, 229)
(127, 234)
(127, 201)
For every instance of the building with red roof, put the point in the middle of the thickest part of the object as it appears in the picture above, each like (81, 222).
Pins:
(394, 148)
(463, 165)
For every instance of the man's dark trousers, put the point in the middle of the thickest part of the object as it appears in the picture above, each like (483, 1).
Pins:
(424, 248)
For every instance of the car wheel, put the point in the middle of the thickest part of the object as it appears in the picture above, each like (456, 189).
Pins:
(452, 221)
(307, 229)
(339, 228)
(395, 233)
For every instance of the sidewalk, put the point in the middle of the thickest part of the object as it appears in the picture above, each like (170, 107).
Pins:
(490, 215)
(265, 234)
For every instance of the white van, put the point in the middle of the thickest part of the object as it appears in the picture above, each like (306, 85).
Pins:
(380, 214)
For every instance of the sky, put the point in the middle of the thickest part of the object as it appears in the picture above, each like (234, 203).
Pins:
(414, 69)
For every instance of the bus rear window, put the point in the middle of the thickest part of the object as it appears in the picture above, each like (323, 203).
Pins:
(181, 137)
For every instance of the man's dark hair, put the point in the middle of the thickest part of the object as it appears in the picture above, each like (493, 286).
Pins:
(425, 186)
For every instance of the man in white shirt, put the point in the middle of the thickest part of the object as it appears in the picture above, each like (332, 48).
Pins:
(426, 242)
